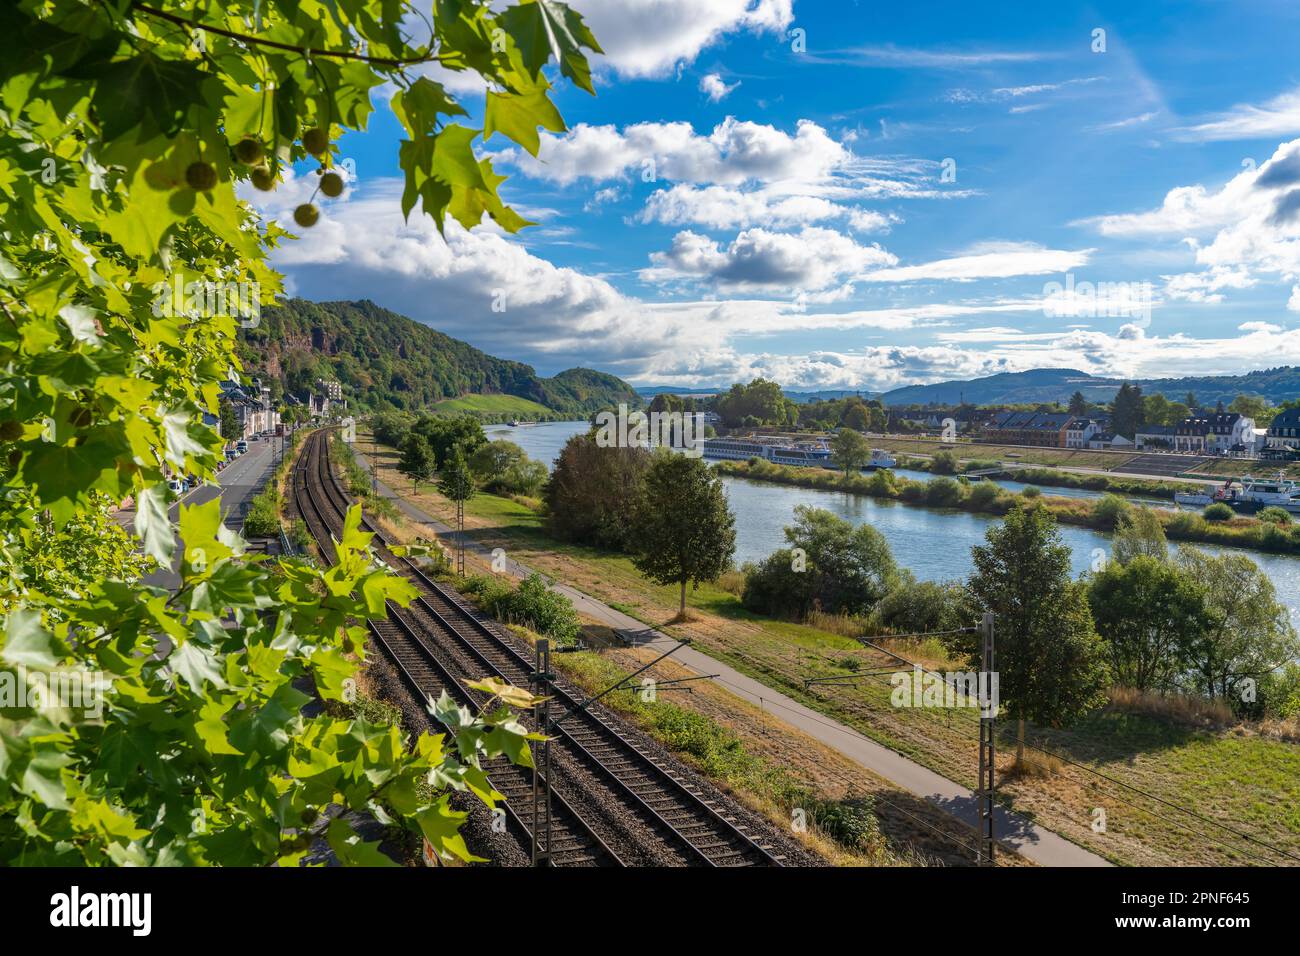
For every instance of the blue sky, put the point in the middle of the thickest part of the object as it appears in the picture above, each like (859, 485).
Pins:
(907, 198)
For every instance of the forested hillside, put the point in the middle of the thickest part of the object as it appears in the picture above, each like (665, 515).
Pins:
(385, 360)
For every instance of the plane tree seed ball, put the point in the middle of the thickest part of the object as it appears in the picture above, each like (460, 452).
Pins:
(200, 176)
(263, 179)
(306, 215)
(331, 184)
(249, 151)
(315, 141)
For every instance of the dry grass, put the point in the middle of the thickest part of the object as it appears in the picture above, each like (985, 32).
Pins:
(1180, 708)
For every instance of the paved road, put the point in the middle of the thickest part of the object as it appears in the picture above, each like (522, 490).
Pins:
(1030, 840)
(237, 484)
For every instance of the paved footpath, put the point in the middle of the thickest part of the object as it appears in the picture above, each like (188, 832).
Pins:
(1014, 830)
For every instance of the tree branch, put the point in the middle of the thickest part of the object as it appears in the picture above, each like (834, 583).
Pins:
(276, 44)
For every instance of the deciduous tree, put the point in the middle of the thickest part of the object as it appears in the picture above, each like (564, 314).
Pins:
(685, 532)
(1050, 662)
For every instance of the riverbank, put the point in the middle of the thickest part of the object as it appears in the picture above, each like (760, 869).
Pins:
(1055, 478)
(984, 498)
(1233, 775)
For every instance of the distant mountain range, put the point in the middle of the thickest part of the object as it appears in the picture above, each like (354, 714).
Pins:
(1051, 385)
(1058, 384)
(386, 360)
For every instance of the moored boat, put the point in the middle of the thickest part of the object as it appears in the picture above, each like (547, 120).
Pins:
(1253, 495)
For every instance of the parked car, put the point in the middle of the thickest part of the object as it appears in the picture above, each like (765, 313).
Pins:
(241, 446)
(173, 484)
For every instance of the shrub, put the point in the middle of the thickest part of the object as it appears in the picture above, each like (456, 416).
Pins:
(263, 517)
(944, 463)
(983, 494)
(773, 588)
(1108, 511)
(851, 823)
(300, 537)
(913, 491)
(943, 492)
(1274, 515)
(1031, 491)
(882, 484)
(538, 608)
(914, 607)
(1218, 512)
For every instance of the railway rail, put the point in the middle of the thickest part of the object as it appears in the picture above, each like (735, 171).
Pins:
(439, 642)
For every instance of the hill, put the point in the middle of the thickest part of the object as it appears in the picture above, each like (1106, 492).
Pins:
(1058, 384)
(494, 406)
(385, 360)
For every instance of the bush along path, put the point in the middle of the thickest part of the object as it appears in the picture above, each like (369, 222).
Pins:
(1035, 843)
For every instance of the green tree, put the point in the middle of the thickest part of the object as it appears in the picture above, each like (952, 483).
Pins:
(851, 567)
(685, 532)
(1078, 405)
(525, 477)
(490, 461)
(415, 460)
(1253, 406)
(1249, 632)
(856, 416)
(1155, 409)
(1139, 531)
(1050, 662)
(445, 434)
(588, 493)
(780, 585)
(944, 463)
(455, 482)
(915, 607)
(1127, 410)
(127, 128)
(228, 423)
(849, 450)
(1149, 612)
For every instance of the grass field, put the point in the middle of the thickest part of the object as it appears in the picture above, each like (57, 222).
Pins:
(1234, 776)
(1262, 469)
(496, 406)
(965, 450)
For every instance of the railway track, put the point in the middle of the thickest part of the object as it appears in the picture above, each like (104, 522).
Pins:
(440, 641)
(573, 842)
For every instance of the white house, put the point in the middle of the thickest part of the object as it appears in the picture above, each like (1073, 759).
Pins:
(1213, 433)
(1079, 432)
(1154, 437)
(1105, 440)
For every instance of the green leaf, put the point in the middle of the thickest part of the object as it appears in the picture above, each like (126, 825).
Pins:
(518, 115)
(545, 28)
(153, 525)
(196, 665)
(351, 849)
(146, 85)
(27, 643)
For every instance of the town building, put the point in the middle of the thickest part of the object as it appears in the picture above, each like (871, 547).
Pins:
(1047, 429)
(1214, 433)
(1154, 438)
(1107, 440)
(253, 407)
(1284, 430)
(1080, 431)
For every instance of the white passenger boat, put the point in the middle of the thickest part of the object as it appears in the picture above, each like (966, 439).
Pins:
(881, 459)
(1253, 495)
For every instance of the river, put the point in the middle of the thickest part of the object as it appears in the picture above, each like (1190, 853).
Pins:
(933, 544)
